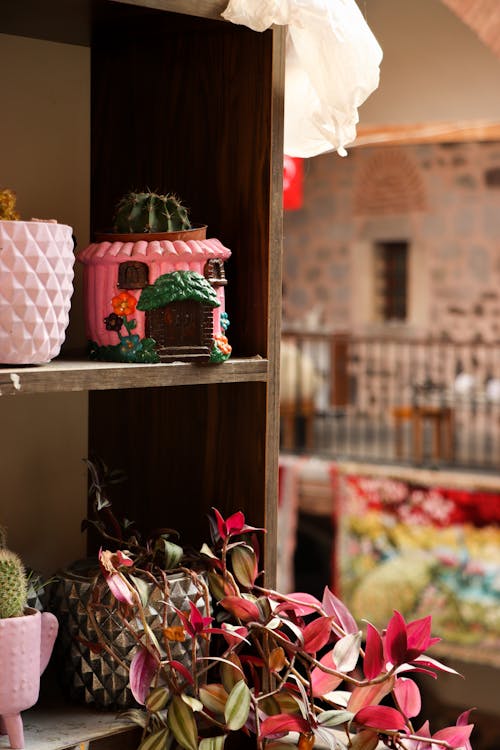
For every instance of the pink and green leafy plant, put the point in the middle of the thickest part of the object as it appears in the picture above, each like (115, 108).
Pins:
(284, 669)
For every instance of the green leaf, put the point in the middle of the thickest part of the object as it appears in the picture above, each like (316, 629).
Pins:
(181, 721)
(213, 743)
(334, 718)
(173, 554)
(193, 703)
(157, 699)
(142, 588)
(155, 741)
(287, 702)
(214, 697)
(237, 706)
(152, 637)
(244, 563)
(231, 671)
(205, 550)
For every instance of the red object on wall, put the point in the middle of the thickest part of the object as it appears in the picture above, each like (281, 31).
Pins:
(293, 182)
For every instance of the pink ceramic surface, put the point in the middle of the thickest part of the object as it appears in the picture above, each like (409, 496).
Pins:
(36, 284)
(102, 259)
(25, 648)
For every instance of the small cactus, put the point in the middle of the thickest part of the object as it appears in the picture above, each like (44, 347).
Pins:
(150, 212)
(13, 586)
(8, 205)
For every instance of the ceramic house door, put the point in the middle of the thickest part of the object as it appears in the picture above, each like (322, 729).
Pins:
(182, 330)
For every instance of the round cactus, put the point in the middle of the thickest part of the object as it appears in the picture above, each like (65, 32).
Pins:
(13, 586)
(150, 212)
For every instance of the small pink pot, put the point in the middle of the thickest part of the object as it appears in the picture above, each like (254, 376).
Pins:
(25, 647)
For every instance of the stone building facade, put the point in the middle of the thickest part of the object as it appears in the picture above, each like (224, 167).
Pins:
(442, 201)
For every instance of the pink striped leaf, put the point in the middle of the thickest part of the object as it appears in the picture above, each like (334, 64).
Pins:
(281, 724)
(383, 718)
(243, 609)
(142, 670)
(374, 661)
(428, 661)
(317, 634)
(408, 696)
(456, 737)
(338, 610)
(302, 604)
(396, 642)
(119, 588)
(370, 695)
(323, 682)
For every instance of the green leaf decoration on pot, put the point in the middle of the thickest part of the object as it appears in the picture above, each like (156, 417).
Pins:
(177, 286)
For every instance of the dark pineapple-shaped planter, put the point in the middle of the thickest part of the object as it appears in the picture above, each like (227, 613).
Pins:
(153, 295)
(91, 675)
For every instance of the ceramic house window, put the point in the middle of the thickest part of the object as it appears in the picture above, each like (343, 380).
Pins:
(391, 280)
(133, 275)
(214, 272)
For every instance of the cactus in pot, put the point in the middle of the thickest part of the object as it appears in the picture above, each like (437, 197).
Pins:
(150, 212)
(26, 640)
(153, 244)
(13, 585)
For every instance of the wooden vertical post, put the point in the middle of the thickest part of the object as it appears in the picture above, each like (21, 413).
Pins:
(339, 362)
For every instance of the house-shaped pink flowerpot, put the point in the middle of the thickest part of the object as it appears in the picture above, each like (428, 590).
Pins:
(153, 300)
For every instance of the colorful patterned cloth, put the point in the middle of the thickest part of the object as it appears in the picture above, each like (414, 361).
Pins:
(423, 551)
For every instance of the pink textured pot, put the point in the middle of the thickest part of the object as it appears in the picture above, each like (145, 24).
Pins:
(25, 648)
(36, 284)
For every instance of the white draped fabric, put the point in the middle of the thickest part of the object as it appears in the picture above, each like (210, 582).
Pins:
(332, 66)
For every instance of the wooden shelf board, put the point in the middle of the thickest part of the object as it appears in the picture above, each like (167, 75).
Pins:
(57, 728)
(81, 375)
(201, 8)
(72, 21)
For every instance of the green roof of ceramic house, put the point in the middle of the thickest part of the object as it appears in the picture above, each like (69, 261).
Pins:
(175, 287)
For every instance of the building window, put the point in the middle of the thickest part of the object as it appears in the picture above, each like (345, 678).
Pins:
(214, 272)
(132, 275)
(391, 280)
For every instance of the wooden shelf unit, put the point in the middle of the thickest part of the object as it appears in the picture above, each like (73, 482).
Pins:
(182, 100)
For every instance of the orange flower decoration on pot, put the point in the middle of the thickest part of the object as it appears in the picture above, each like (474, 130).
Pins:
(124, 304)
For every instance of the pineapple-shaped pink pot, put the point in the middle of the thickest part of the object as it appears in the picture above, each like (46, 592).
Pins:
(36, 284)
(25, 647)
